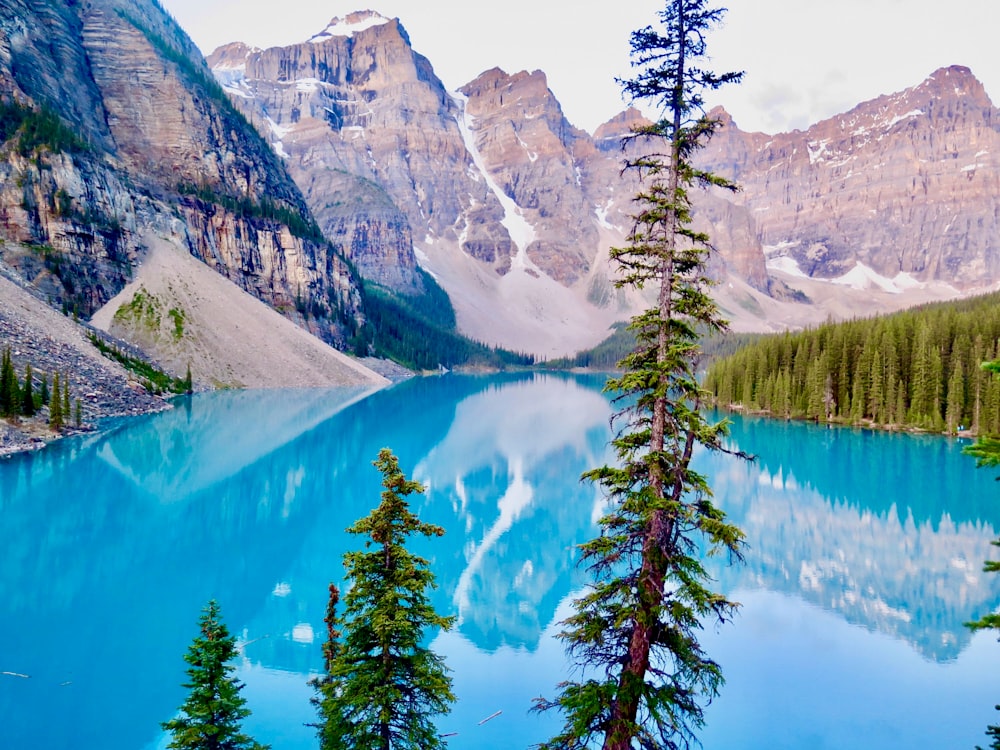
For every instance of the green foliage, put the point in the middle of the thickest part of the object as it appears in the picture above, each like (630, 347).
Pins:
(177, 316)
(211, 715)
(153, 379)
(244, 207)
(55, 406)
(917, 369)
(604, 356)
(19, 399)
(418, 332)
(37, 130)
(9, 388)
(986, 451)
(382, 687)
(634, 634)
(28, 394)
(142, 311)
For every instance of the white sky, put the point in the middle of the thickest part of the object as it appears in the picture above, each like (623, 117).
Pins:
(804, 59)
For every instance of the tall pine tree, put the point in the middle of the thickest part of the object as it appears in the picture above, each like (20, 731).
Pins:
(8, 385)
(55, 406)
(210, 717)
(987, 452)
(28, 393)
(383, 687)
(634, 635)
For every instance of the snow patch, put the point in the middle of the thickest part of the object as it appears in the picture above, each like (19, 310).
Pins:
(816, 150)
(863, 277)
(308, 85)
(278, 130)
(785, 264)
(343, 28)
(770, 250)
(972, 167)
(602, 215)
(532, 156)
(900, 118)
(521, 232)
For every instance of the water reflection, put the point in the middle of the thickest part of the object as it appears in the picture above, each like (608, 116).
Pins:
(252, 492)
(888, 530)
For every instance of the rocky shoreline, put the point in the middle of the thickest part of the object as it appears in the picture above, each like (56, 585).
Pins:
(53, 343)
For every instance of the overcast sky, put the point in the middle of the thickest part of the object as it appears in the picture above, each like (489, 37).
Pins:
(804, 59)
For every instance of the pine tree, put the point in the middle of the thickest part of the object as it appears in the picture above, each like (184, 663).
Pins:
(43, 390)
(382, 686)
(955, 399)
(79, 414)
(28, 394)
(55, 406)
(633, 636)
(332, 734)
(210, 717)
(987, 452)
(8, 385)
(65, 397)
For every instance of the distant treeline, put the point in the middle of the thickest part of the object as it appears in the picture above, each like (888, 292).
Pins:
(607, 354)
(920, 368)
(419, 331)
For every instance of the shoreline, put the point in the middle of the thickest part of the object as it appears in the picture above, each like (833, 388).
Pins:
(864, 425)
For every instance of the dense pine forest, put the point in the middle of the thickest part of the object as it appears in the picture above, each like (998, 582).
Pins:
(918, 369)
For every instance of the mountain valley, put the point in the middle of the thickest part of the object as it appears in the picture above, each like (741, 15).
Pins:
(304, 175)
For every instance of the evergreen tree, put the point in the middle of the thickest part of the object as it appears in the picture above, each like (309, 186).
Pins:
(65, 397)
(28, 394)
(383, 687)
(55, 406)
(79, 414)
(210, 717)
(43, 390)
(955, 398)
(987, 452)
(8, 385)
(644, 676)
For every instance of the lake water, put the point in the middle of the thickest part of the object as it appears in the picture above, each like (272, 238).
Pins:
(864, 561)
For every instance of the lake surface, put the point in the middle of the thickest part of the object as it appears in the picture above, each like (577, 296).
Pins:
(864, 561)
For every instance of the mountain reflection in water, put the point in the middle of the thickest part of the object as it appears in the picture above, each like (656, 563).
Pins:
(111, 545)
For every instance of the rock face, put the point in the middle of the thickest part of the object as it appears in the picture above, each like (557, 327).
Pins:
(908, 183)
(509, 205)
(499, 195)
(155, 145)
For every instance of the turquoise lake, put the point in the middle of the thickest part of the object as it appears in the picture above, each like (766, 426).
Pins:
(864, 559)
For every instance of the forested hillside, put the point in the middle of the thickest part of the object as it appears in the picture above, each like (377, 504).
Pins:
(915, 369)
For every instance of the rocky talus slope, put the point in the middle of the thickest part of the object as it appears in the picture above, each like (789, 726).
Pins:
(53, 343)
(145, 140)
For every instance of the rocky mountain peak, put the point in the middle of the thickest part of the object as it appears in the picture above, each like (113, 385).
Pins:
(608, 136)
(351, 24)
(956, 81)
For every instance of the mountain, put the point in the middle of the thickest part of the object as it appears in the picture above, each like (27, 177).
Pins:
(295, 171)
(513, 209)
(113, 136)
(900, 191)
(490, 187)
